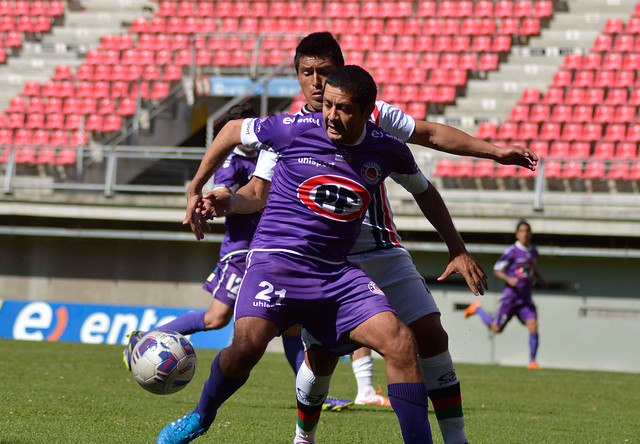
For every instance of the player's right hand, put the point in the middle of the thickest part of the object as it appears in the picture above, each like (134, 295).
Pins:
(217, 203)
(194, 216)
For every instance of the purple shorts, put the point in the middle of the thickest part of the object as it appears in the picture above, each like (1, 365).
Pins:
(223, 283)
(524, 309)
(327, 299)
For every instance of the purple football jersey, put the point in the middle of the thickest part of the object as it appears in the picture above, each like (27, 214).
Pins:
(320, 191)
(233, 174)
(519, 261)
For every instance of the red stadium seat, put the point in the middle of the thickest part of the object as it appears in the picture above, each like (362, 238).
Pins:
(615, 132)
(561, 113)
(530, 96)
(574, 96)
(582, 113)
(487, 130)
(594, 96)
(626, 150)
(580, 150)
(549, 131)
(540, 113)
(603, 43)
(592, 132)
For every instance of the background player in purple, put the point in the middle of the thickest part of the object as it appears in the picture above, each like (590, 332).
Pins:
(223, 283)
(379, 245)
(297, 272)
(517, 268)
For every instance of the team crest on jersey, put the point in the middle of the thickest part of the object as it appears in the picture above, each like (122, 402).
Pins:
(371, 172)
(377, 134)
(334, 197)
(373, 288)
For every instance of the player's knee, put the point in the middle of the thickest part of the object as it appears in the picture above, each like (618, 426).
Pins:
(430, 335)
(216, 321)
(401, 347)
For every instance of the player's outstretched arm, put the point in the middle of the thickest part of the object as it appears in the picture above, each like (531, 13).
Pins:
(460, 261)
(453, 141)
(217, 152)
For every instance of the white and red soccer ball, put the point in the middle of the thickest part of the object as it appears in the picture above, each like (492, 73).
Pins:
(163, 362)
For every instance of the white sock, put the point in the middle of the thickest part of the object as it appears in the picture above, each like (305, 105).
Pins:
(363, 371)
(311, 391)
(441, 381)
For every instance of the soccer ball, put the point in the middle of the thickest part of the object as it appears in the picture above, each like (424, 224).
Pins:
(163, 362)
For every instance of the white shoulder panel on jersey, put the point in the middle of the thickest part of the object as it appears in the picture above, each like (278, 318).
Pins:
(413, 183)
(394, 121)
(266, 163)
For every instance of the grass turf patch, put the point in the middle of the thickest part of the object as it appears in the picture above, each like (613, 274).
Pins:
(80, 393)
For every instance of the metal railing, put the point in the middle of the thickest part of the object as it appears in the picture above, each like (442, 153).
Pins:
(105, 172)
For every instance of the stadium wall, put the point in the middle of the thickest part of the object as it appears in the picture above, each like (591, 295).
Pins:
(588, 318)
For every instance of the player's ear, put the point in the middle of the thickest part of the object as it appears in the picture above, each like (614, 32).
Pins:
(369, 109)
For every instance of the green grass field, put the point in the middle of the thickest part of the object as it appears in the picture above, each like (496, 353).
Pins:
(79, 393)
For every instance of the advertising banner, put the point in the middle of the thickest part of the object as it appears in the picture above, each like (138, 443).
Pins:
(93, 324)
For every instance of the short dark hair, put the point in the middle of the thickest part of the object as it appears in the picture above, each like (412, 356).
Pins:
(319, 44)
(357, 81)
(241, 111)
(523, 222)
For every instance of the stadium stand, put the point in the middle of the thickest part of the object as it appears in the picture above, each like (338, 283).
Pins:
(426, 56)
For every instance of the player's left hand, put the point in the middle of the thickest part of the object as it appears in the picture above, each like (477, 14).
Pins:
(518, 155)
(470, 269)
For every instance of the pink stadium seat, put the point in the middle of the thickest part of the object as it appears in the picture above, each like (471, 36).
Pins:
(582, 113)
(562, 78)
(615, 132)
(580, 150)
(594, 96)
(529, 26)
(574, 96)
(584, 79)
(522, 8)
(34, 121)
(73, 122)
(444, 168)
(592, 132)
(572, 61)
(530, 96)
(559, 149)
(603, 150)
(603, 43)
(549, 131)
(626, 150)
(483, 43)
(485, 8)
(561, 113)
(488, 62)
(543, 8)
(603, 113)
(484, 168)
(633, 132)
(426, 8)
(624, 114)
(507, 131)
(487, 130)
(624, 43)
(539, 113)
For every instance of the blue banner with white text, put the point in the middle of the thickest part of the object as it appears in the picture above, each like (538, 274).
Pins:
(93, 324)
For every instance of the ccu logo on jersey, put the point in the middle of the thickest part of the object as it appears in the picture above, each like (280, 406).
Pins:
(334, 197)
(525, 271)
(371, 173)
(377, 134)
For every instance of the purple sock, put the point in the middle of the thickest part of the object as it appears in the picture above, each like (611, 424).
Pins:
(294, 351)
(217, 389)
(533, 345)
(186, 324)
(486, 317)
(409, 402)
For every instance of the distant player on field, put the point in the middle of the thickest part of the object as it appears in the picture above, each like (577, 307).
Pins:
(517, 268)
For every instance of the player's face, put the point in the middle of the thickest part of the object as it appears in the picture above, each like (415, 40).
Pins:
(524, 235)
(312, 73)
(341, 115)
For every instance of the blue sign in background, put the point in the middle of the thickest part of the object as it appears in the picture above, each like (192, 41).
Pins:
(93, 324)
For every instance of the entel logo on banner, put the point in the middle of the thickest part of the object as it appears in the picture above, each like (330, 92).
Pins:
(36, 318)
